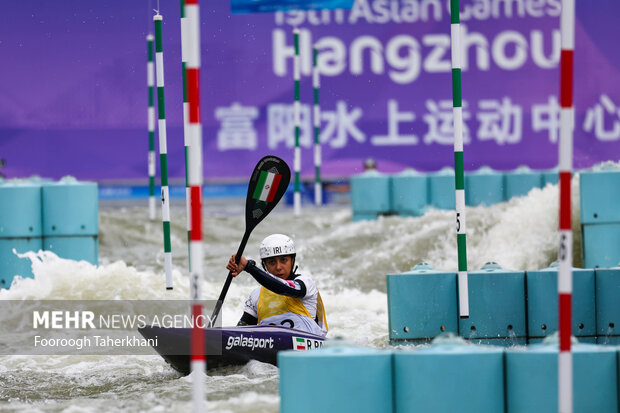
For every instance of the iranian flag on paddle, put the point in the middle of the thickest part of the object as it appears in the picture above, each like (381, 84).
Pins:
(267, 186)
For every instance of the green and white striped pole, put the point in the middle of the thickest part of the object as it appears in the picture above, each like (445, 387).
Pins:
(163, 150)
(296, 114)
(316, 85)
(459, 174)
(150, 81)
(186, 127)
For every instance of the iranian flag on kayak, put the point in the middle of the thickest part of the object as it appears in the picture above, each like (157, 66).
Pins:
(299, 343)
(267, 186)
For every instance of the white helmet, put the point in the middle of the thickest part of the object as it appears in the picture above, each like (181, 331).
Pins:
(276, 245)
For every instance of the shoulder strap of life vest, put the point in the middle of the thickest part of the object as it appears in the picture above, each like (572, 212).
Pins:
(320, 313)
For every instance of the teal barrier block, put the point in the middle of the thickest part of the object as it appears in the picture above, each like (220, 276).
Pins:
(542, 303)
(496, 307)
(608, 340)
(370, 194)
(448, 379)
(357, 380)
(74, 248)
(421, 304)
(550, 177)
(532, 379)
(12, 265)
(521, 181)
(410, 193)
(608, 305)
(20, 210)
(441, 189)
(599, 197)
(70, 208)
(484, 187)
(600, 245)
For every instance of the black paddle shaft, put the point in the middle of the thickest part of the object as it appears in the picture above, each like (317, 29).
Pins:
(220, 300)
(267, 185)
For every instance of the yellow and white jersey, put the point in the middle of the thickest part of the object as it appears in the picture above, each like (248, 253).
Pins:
(299, 313)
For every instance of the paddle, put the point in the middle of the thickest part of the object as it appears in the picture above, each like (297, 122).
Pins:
(268, 183)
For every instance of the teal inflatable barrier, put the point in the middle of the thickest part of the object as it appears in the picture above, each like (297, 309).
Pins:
(11, 264)
(484, 187)
(20, 210)
(70, 208)
(448, 379)
(70, 219)
(496, 307)
(600, 218)
(370, 195)
(600, 197)
(74, 248)
(341, 379)
(20, 227)
(421, 305)
(410, 193)
(550, 177)
(608, 305)
(600, 245)
(521, 181)
(542, 304)
(441, 190)
(532, 379)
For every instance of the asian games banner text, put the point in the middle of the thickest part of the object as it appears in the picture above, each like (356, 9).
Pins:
(80, 108)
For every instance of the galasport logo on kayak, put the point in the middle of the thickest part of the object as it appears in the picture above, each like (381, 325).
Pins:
(250, 342)
(302, 343)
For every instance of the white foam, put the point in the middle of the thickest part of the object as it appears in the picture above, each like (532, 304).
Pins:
(348, 260)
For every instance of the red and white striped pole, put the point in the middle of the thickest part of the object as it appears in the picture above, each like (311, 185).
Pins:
(192, 75)
(185, 124)
(565, 252)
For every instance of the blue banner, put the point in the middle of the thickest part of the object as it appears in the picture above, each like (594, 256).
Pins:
(269, 6)
(73, 97)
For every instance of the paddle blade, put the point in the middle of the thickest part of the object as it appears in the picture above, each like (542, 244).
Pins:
(267, 185)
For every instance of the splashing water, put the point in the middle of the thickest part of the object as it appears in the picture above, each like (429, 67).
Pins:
(348, 260)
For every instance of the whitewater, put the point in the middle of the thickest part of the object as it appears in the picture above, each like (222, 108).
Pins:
(348, 260)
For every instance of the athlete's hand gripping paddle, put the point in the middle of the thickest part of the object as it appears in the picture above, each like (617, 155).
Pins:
(267, 185)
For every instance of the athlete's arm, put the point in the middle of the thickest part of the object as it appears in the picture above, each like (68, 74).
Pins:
(247, 320)
(290, 288)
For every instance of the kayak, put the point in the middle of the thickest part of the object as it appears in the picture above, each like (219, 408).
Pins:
(229, 346)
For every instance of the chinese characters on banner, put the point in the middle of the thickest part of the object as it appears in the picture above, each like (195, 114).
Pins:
(386, 87)
(498, 120)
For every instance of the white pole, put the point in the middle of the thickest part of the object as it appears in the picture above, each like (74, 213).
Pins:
(316, 85)
(297, 110)
(198, 356)
(459, 173)
(163, 149)
(565, 256)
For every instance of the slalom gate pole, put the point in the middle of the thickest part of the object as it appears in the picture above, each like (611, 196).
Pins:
(150, 81)
(316, 85)
(185, 126)
(565, 251)
(296, 114)
(459, 174)
(198, 357)
(163, 150)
